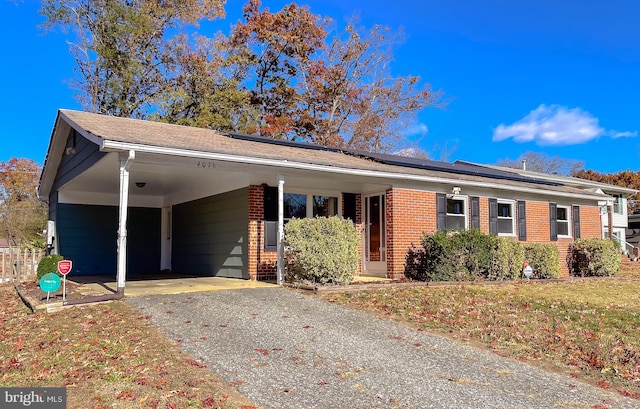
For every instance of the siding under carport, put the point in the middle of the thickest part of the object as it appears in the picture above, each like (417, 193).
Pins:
(209, 235)
(87, 235)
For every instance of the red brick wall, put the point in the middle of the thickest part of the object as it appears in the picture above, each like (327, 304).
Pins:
(484, 214)
(409, 214)
(262, 264)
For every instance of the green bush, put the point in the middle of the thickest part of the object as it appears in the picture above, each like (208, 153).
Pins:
(594, 258)
(507, 260)
(544, 259)
(48, 264)
(453, 256)
(321, 250)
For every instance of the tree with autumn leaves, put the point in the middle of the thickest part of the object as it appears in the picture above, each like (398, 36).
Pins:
(289, 74)
(624, 178)
(22, 214)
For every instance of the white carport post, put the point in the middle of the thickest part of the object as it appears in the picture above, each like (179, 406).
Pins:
(280, 243)
(125, 164)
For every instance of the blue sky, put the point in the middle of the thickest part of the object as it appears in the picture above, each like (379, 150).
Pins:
(557, 77)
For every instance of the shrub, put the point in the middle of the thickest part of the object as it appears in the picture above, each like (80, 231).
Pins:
(543, 259)
(48, 264)
(455, 255)
(321, 250)
(415, 263)
(507, 260)
(594, 258)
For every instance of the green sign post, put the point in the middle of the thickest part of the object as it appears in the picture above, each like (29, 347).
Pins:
(49, 282)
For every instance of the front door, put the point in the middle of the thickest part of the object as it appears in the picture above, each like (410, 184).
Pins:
(375, 251)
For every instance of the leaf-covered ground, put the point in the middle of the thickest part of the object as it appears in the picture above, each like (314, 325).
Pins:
(587, 329)
(107, 355)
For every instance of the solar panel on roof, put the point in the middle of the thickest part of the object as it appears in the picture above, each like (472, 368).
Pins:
(403, 161)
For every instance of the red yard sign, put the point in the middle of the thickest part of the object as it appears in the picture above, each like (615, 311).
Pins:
(64, 267)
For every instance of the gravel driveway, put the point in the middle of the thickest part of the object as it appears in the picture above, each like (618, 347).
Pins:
(284, 349)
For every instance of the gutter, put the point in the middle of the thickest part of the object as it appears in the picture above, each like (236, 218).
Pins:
(284, 163)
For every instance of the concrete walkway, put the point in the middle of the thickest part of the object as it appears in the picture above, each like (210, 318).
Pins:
(285, 349)
(93, 285)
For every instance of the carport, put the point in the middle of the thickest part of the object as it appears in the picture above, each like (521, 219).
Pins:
(138, 198)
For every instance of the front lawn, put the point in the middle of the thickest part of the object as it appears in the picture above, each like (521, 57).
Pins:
(107, 355)
(587, 329)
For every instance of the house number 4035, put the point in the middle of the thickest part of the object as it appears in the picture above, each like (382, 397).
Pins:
(205, 164)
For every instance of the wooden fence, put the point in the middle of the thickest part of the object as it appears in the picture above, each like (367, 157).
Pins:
(19, 264)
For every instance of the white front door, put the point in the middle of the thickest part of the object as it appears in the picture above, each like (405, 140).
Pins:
(375, 250)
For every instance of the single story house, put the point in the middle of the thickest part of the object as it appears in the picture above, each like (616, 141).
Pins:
(136, 197)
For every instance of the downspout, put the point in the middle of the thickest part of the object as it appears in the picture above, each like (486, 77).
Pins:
(280, 243)
(125, 165)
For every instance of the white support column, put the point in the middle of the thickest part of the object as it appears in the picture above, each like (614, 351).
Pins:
(280, 243)
(125, 164)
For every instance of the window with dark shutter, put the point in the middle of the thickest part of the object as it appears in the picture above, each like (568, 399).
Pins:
(522, 220)
(576, 222)
(441, 211)
(553, 222)
(493, 216)
(475, 212)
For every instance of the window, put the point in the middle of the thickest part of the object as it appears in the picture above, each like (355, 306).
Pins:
(456, 213)
(506, 220)
(295, 205)
(562, 220)
(618, 204)
(325, 206)
(302, 205)
(299, 205)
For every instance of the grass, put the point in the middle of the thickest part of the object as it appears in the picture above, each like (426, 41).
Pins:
(586, 329)
(107, 355)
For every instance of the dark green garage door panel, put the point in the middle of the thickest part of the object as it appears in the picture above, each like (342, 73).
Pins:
(209, 236)
(87, 235)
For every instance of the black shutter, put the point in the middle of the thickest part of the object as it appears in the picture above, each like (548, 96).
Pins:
(553, 222)
(493, 216)
(522, 220)
(475, 212)
(349, 209)
(441, 211)
(576, 222)
(271, 203)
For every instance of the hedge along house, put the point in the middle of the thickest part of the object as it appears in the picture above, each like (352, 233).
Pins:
(136, 197)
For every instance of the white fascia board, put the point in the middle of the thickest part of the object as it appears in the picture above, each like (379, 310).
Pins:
(285, 163)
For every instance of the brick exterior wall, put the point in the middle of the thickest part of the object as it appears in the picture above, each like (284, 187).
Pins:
(413, 212)
(409, 214)
(262, 264)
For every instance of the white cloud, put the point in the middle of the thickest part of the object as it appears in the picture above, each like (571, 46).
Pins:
(420, 129)
(625, 134)
(555, 125)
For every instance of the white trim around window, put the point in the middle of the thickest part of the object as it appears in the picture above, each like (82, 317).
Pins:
(563, 220)
(332, 202)
(457, 212)
(506, 217)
